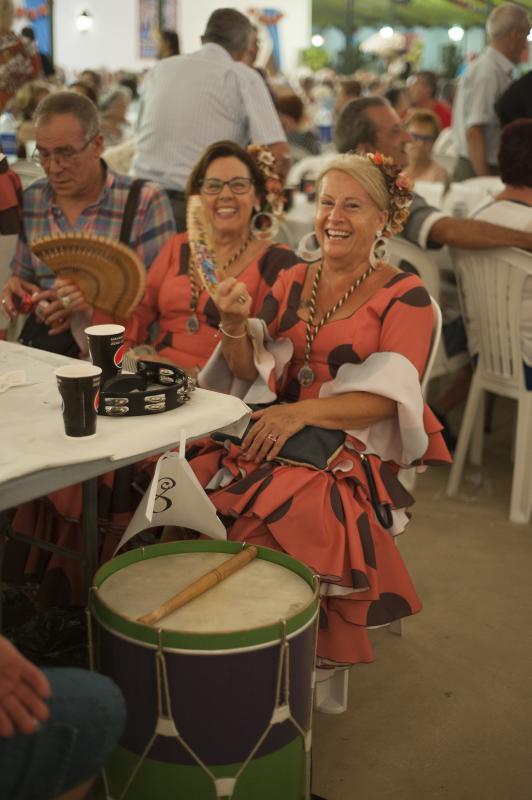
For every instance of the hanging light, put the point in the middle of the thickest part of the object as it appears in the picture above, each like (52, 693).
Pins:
(456, 33)
(317, 40)
(386, 32)
(84, 21)
(529, 37)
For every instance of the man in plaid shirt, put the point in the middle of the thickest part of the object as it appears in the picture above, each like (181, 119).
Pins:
(79, 194)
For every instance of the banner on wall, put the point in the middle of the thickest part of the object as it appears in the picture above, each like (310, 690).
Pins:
(36, 14)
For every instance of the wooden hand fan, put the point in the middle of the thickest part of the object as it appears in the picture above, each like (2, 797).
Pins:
(200, 243)
(110, 274)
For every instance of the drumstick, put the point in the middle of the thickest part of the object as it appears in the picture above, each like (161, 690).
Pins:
(201, 585)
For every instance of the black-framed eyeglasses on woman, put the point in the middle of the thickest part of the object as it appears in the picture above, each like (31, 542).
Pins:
(215, 186)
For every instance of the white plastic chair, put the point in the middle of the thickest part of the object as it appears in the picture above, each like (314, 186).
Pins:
(331, 691)
(403, 253)
(464, 197)
(28, 171)
(491, 284)
(431, 191)
(444, 150)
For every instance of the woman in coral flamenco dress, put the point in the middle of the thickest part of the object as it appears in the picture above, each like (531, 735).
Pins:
(338, 349)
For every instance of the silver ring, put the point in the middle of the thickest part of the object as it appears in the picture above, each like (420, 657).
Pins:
(66, 301)
(241, 299)
(272, 438)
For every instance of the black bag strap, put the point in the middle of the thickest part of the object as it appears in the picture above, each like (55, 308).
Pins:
(130, 209)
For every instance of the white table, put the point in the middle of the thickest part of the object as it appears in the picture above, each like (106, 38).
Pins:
(37, 458)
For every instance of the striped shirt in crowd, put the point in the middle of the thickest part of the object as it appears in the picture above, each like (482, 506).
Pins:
(191, 101)
(152, 226)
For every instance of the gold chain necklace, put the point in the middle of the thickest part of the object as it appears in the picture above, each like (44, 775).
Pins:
(193, 322)
(306, 374)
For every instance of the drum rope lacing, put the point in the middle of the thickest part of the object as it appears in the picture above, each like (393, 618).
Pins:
(165, 726)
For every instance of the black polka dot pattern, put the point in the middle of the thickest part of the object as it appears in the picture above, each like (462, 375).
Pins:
(273, 261)
(211, 313)
(290, 317)
(324, 620)
(183, 259)
(279, 513)
(166, 341)
(396, 279)
(359, 579)
(343, 354)
(263, 485)
(292, 391)
(388, 607)
(336, 504)
(398, 494)
(241, 486)
(269, 309)
(366, 540)
(417, 297)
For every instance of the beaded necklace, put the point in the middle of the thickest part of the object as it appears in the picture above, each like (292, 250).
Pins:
(306, 374)
(193, 322)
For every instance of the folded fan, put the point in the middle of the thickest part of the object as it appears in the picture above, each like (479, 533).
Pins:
(200, 243)
(110, 274)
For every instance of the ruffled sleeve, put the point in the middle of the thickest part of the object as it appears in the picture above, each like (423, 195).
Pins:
(272, 353)
(412, 435)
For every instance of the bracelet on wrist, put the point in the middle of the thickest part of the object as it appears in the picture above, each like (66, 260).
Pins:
(232, 335)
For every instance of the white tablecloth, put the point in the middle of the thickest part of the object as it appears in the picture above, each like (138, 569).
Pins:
(32, 433)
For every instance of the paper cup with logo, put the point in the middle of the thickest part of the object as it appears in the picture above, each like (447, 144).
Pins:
(106, 346)
(79, 387)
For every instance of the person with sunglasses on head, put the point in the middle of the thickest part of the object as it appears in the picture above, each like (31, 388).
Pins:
(79, 194)
(423, 127)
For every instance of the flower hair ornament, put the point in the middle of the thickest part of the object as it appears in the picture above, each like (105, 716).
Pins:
(399, 189)
(400, 193)
(265, 222)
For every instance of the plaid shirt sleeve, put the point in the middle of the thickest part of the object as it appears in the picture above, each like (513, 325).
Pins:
(154, 223)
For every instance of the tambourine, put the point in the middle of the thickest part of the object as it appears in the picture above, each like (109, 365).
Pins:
(154, 388)
(111, 275)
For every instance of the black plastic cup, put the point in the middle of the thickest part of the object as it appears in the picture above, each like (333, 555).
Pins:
(79, 387)
(106, 346)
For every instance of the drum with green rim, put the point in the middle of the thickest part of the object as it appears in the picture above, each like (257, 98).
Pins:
(219, 693)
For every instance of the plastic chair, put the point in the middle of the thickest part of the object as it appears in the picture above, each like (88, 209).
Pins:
(28, 171)
(410, 257)
(431, 191)
(491, 284)
(444, 150)
(332, 689)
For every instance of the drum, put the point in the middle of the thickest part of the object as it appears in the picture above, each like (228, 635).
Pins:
(219, 693)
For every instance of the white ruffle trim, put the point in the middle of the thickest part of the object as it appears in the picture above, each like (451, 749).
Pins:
(401, 439)
(269, 355)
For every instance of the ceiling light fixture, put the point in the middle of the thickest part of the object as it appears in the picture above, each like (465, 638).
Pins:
(84, 21)
(456, 33)
(386, 32)
(317, 40)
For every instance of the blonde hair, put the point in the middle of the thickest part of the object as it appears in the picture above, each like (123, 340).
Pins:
(27, 97)
(363, 172)
(7, 14)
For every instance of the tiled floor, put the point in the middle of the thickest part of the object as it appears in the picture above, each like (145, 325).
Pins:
(446, 710)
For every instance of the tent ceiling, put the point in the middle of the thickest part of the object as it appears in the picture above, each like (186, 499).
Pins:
(429, 13)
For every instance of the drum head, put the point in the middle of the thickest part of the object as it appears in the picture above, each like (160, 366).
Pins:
(271, 589)
(261, 593)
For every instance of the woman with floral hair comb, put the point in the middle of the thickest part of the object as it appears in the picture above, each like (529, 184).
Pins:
(334, 359)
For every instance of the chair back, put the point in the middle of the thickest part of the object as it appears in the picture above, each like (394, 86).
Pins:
(434, 344)
(464, 197)
(491, 285)
(411, 258)
(431, 191)
(444, 150)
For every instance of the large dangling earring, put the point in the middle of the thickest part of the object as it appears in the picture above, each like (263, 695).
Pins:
(309, 248)
(379, 250)
(264, 226)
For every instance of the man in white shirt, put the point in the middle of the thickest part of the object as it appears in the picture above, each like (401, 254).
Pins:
(476, 127)
(191, 101)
